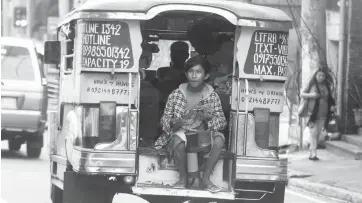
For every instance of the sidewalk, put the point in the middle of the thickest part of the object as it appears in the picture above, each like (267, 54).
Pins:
(333, 176)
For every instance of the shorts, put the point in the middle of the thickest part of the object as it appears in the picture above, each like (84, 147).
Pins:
(180, 136)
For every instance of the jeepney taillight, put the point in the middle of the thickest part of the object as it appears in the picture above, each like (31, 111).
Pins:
(120, 133)
(107, 122)
(262, 117)
(126, 128)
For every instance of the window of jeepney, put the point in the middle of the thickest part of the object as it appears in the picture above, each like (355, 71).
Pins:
(104, 45)
(163, 57)
(66, 38)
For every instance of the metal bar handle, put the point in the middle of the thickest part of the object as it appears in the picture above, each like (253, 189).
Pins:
(237, 116)
(129, 110)
(246, 116)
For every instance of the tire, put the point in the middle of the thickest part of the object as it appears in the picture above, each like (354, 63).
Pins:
(33, 151)
(84, 189)
(34, 145)
(56, 194)
(14, 145)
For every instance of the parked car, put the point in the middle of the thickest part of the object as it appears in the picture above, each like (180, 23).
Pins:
(23, 95)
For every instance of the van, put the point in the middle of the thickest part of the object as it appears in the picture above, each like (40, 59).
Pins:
(23, 95)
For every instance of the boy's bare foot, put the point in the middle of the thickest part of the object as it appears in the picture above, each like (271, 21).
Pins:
(181, 184)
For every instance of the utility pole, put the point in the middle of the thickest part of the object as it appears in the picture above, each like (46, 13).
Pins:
(341, 49)
(313, 31)
(64, 8)
(29, 12)
(6, 18)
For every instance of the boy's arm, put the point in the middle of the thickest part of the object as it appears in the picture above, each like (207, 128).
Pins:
(218, 122)
(168, 113)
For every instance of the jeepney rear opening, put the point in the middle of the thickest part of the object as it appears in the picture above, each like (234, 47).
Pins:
(96, 51)
(112, 128)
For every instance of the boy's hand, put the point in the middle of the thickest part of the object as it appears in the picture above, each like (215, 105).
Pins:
(176, 124)
(207, 116)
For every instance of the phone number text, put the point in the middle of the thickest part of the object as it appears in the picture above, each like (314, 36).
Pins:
(112, 91)
(260, 100)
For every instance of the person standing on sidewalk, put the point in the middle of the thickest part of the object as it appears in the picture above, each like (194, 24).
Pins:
(316, 106)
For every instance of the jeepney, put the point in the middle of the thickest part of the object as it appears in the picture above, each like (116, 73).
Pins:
(105, 113)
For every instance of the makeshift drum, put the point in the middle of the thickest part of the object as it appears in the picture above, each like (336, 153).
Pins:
(199, 141)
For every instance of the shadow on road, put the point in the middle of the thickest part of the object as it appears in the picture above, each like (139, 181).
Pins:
(6, 154)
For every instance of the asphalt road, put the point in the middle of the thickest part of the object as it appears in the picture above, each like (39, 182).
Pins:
(26, 180)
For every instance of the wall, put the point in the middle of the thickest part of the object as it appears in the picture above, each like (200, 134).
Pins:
(354, 62)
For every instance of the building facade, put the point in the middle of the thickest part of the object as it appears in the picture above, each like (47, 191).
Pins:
(353, 64)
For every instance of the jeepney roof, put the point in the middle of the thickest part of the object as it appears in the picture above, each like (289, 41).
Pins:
(240, 9)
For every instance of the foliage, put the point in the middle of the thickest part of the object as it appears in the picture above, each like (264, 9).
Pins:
(356, 91)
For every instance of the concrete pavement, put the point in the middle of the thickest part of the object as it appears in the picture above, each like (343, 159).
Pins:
(333, 176)
(296, 195)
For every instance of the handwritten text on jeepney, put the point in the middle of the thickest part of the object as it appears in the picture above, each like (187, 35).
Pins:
(262, 96)
(111, 87)
(268, 54)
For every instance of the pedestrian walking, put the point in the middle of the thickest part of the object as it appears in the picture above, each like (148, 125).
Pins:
(316, 107)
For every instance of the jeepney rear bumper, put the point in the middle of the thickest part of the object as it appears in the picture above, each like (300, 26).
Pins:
(101, 162)
(261, 169)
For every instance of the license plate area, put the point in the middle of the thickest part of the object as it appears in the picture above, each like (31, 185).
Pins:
(8, 103)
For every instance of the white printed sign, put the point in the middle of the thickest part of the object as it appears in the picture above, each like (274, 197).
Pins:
(261, 95)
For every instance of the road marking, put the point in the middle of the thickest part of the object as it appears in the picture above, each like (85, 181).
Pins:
(304, 196)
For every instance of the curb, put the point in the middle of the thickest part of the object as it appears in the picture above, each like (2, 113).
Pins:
(297, 174)
(326, 190)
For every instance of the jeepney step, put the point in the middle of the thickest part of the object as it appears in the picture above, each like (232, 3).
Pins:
(145, 189)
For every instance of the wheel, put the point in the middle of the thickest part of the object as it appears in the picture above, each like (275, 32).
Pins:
(33, 151)
(34, 145)
(14, 145)
(56, 194)
(85, 189)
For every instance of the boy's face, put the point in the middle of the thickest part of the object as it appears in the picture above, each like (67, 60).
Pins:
(196, 76)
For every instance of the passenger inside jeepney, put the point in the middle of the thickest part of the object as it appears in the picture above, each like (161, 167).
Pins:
(169, 78)
(222, 63)
(179, 54)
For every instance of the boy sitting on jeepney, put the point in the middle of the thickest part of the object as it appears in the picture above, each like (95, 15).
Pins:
(182, 102)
